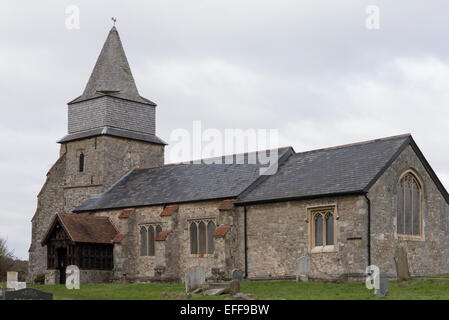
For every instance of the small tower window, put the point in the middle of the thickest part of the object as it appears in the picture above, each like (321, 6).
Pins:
(81, 162)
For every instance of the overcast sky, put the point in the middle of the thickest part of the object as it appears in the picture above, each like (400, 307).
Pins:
(310, 69)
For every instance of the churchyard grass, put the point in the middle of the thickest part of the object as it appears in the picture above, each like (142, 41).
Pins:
(428, 288)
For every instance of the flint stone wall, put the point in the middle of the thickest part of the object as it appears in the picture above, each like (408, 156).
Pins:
(107, 159)
(427, 256)
(86, 276)
(173, 253)
(278, 235)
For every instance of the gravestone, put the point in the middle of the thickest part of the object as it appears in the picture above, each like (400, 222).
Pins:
(400, 259)
(2, 293)
(234, 286)
(194, 278)
(303, 268)
(16, 285)
(12, 276)
(27, 294)
(237, 274)
(214, 292)
(381, 286)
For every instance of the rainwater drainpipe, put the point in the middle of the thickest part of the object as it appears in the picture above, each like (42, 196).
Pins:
(245, 235)
(368, 201)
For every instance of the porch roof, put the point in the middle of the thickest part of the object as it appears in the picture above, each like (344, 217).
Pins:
(84, 229)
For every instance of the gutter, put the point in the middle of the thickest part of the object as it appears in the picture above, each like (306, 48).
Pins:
(368, 202)
(245, 241)
(241, 202)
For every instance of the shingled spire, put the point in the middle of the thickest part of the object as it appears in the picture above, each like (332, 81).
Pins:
(110, 104)
(112, 75)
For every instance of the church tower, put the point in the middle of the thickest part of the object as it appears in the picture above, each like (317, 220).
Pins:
(111, 129)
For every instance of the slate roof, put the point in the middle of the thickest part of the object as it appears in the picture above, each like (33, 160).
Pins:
(116, 132)
(176, 183)
(87, 229)
(112, 75)
(348, 169)
(339, 170)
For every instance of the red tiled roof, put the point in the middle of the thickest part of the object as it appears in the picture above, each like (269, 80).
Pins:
(221, 231)
(87, 229)
(169, 210)
(119, 237)
(161, 236)
(126, 213)
(226, 205)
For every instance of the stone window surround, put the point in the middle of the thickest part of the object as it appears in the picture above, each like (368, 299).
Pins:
(311, 210)
(206, 220)
(146, 226)
(409, 237)
(80, 152)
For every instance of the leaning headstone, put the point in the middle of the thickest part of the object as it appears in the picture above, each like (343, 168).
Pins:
(214, 292)
(234, 287)
(381, 287)
(400, 259)
(28, 294)
(194, 278)
(237, 274)
(16, 285)
(243, 296)
(303, 268)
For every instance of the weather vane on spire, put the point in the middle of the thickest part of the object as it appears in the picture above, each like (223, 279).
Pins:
(114, 19)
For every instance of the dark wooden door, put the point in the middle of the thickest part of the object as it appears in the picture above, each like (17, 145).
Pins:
(62, 264)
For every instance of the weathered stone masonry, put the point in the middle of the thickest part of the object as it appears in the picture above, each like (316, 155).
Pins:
(107, 159)
(110, 100)
(173, 252)
(428, 256)
(278, 234)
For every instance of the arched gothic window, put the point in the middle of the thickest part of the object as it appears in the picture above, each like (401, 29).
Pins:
(148, 240)
(318, 230)
(210, 237)
(329, 229)
(81, 162)
(323, 228)
(143, 241)
(202, 237)
(408, 217)
(193, 238)
(158, 229)
(151, 250)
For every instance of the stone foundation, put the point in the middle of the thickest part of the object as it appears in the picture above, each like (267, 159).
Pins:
(86, 276)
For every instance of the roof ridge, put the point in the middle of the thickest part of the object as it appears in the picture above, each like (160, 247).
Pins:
(218, 157)
(76, 216)
(406, 135)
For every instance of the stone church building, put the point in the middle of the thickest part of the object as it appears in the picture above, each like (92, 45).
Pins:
(111, 207)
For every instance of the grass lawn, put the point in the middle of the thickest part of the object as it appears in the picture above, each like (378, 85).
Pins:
(428, 288)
